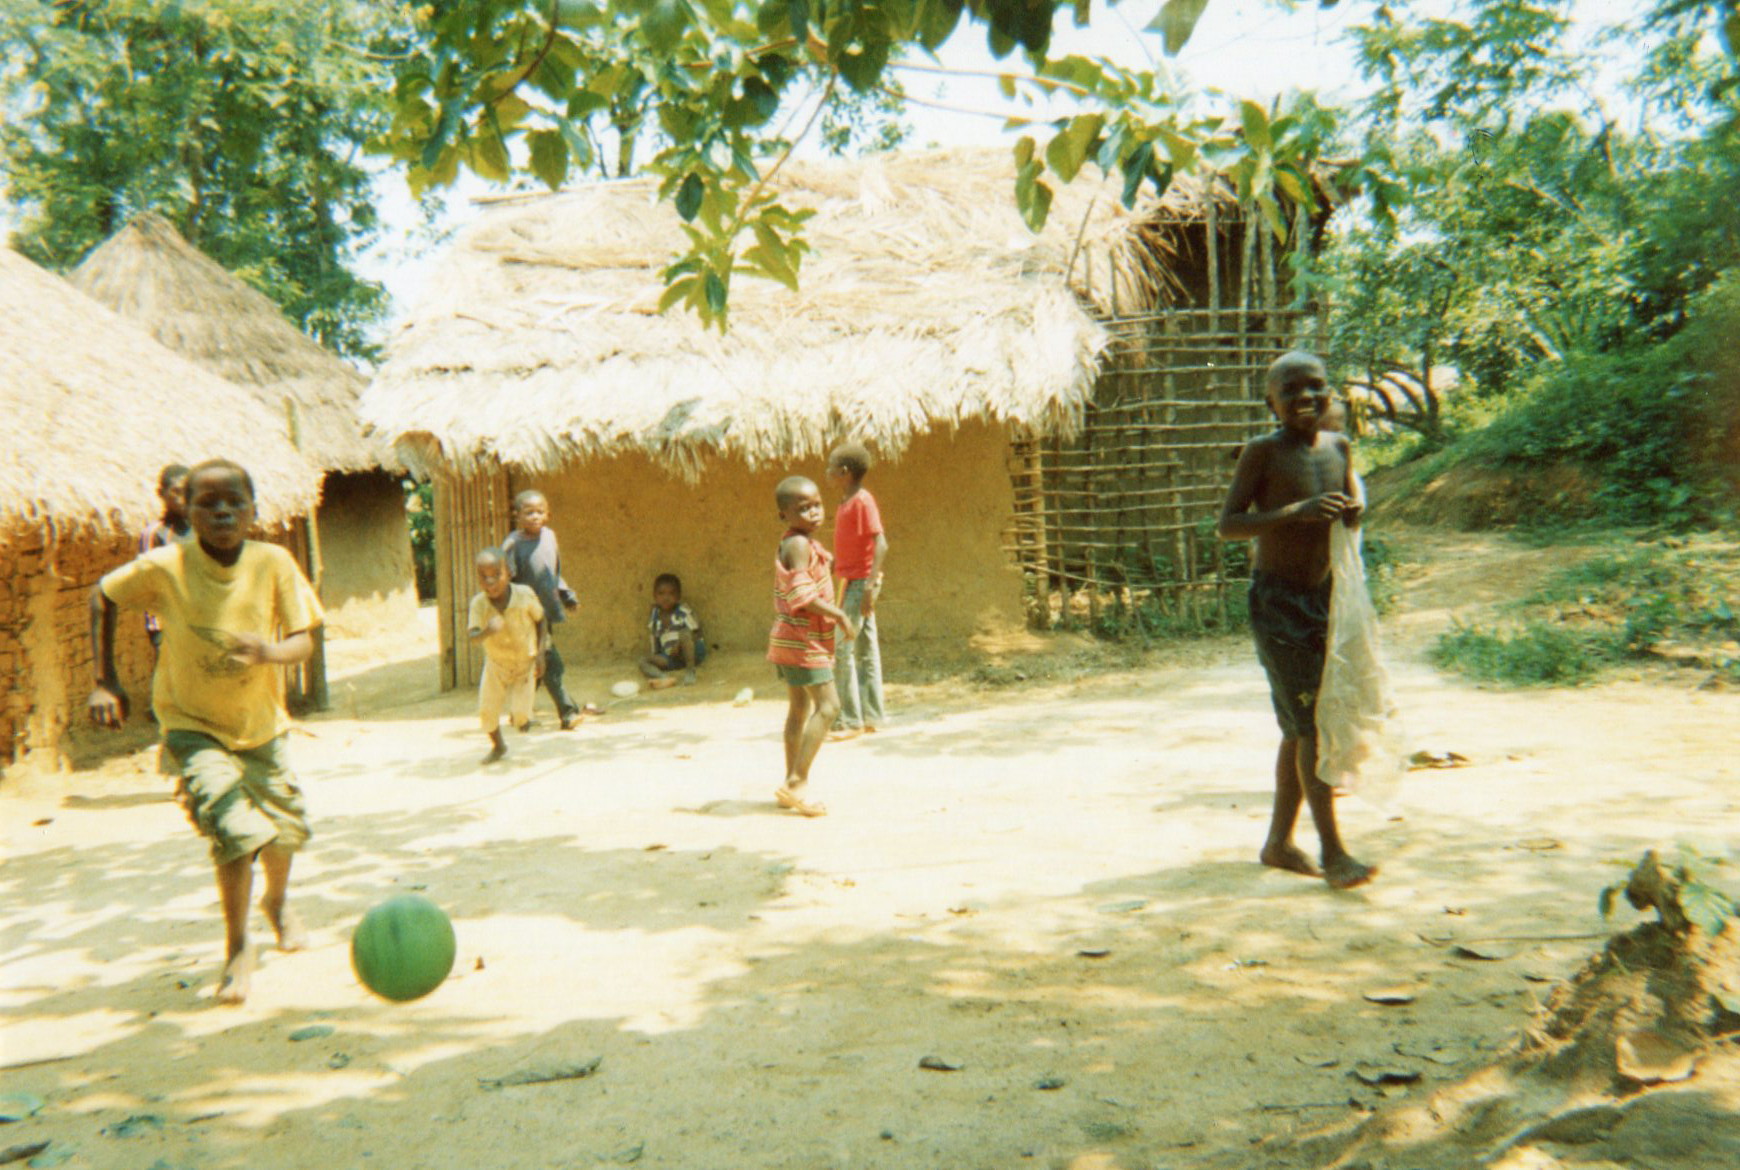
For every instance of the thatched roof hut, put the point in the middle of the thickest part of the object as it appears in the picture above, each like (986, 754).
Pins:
(96, 406)
(191, 304)
(925, 301)
(360, 554)
(931, 323)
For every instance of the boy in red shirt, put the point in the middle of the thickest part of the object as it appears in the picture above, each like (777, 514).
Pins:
(861, 547)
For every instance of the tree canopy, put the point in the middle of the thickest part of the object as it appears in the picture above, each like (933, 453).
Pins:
(243, 121)
(546, 86)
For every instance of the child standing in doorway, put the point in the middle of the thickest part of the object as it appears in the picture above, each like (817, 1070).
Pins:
(801, 643)
(862, 548)
(533, 560)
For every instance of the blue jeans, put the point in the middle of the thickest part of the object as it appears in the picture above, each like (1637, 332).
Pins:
(858, 665)
(566, 708)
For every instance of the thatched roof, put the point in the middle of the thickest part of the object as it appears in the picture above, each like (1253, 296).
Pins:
(148, 273)
(94, 407)
(926, 301)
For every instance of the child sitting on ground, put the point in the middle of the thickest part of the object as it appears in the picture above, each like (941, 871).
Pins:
(801, 643)
(508, 621)
(233, 611)
(675, 635)
(862, 548)
(1289, 487)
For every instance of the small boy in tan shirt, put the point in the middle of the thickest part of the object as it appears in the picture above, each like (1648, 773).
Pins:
(508, 621)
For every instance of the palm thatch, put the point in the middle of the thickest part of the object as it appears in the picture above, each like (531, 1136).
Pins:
(95, 407)
(926, 301)
(148, 273)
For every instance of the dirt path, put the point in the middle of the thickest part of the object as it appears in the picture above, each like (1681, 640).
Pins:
(1051, 889)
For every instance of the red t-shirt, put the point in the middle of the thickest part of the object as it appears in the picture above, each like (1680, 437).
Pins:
(856, 527)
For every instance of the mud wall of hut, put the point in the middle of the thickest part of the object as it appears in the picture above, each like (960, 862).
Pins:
(367, 580)
(623, 520)
(45, 655)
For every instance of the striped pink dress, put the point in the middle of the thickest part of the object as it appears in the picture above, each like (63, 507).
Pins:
(799, 636)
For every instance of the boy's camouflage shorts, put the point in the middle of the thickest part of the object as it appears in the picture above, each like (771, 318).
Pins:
(239, 801)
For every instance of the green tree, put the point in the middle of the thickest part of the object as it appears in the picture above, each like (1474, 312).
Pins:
(242, 121)
(546, 86)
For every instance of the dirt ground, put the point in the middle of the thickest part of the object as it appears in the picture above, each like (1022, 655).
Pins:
(1048, 888)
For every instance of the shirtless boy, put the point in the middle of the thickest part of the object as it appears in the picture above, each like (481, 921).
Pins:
(1290, 486)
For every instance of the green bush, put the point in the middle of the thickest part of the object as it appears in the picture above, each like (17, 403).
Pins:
(1535, 654)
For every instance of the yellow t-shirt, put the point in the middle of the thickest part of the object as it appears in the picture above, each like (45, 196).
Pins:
(513, 649)
(201, 605)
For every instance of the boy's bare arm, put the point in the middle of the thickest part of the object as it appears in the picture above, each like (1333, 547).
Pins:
(107, 705)
(253, 650)
(794, 553)
(873, 589)
(1238, 522)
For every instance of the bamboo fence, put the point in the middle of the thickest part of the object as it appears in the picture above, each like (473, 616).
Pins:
(1122, 514)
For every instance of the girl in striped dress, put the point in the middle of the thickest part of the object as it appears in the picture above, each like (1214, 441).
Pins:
(801, 643)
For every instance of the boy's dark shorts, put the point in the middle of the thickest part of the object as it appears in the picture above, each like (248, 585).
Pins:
(805, 676)
(239, 801)
(1290, 625)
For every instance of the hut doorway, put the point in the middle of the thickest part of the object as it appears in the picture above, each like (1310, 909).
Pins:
(471, 513)
(1114, 528)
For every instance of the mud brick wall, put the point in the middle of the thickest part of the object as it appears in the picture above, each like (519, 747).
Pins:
(45, 653)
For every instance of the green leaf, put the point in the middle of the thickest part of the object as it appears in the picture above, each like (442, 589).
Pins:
(579, 145)
(937, 20)
(489, 155)
(1181, 150)
(664, 23)
(549, 157)
(1256, 124)
(798, 13)
(715, 294)
(1706, 908)
(689, 195)
(1069, 147)
(1296, 191)
(1605, 902)
(1038, 207)
(1137, 168)
(1175, 21)
(680, 289)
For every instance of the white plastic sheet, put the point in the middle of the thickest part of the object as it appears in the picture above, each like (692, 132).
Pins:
(1361, 743)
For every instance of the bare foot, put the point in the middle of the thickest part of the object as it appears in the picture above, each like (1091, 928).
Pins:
(1288, 857)
(786, 798)
(286, 924)
(1344, 873)
(496, 752)
(663, 682)
(689, 677)
(844, 734)
(238, 972)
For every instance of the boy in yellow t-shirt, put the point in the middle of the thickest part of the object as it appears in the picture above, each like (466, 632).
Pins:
(508, 620)
(232, 612)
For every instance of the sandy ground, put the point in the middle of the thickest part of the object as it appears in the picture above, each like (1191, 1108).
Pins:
(1049, 888)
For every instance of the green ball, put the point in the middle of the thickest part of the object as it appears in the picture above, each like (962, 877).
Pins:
(403, 948)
